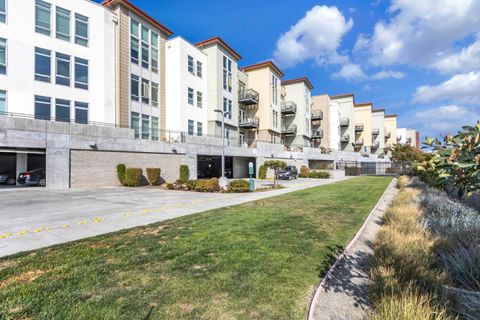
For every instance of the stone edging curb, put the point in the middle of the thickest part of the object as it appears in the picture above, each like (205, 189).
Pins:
(311, 307)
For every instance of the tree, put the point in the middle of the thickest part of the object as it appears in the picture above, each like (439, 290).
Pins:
(406, 152)
(275, 165)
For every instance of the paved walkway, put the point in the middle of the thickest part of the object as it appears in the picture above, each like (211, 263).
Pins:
(34, 218)
(343, 295)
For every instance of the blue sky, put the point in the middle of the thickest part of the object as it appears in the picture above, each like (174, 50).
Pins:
(418, 59)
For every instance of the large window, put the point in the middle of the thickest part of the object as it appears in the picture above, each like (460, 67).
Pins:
(134, 85)
(191, 129)
(154, 128)
(62, 69)
(145, 48)
(134, 42)
(3, 11)
(274, 90)
(199, 129)
(227, 74)
(154, 94)
(154, 52)
(3, 102)
(81, 30)
(227, 108)
(43, 64)
(3, 56)
(62, 24)
(81, 112)
(42, 107)
(62, 110)
(135, 123)
(43, 17)
(199, 99)
(190, 96)
(190, 64)
(199, 69)
(145, 126)
(81, 73)
(145, 91)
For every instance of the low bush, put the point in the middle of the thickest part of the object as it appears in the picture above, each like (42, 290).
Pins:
(210, 185)
(133, 177)
(262, 172)
(190, 184)
(463, 266)
(304, 172)
(170, 186)
(184, 173)
(239, 186)
(153, 175)
(319, 175)
(121, 173)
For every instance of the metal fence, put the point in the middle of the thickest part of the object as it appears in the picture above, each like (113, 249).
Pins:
(360, 168)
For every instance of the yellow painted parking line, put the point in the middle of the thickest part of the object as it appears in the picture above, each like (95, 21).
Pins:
(21, 233)
(97, 220)
(38, 230)
(6, 235)
(66, 226)
(83, 222)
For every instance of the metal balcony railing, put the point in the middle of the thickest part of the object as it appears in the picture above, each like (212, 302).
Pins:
(317, 115)
(289, 107)
(248, 97)
(344, 122)
(317, 134)
(375, 132)
(249, 123)
(345, 138)
(359, 142)
(358, 127)
(289, 130)
(409, 140)
(376, 145)
(399, 138)
(388, 135)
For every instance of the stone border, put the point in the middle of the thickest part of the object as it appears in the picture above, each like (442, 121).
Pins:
(313, 301)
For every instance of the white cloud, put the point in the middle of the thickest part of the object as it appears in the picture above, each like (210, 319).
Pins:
(445, 119)
(461, 88)
(316, 36)
(420, 32)
(463, 61)
(350, 72)
(384, 74)
(366, 87)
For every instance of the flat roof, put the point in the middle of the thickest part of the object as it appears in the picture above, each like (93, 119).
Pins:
(363, 104)
(390, 116)
(343, 95)
(219, 41)
(264, 64)
(378, 110)
(298, 80)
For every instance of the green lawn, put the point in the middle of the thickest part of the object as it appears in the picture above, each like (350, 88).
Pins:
(259, 260)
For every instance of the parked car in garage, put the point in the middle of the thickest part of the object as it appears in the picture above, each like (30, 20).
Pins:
(33, 178)
(289, 173)
(8, 177)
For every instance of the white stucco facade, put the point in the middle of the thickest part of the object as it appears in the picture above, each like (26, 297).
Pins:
(402, 135)
(334, 125)
(183, 86)
(22, 35)
(300, 93)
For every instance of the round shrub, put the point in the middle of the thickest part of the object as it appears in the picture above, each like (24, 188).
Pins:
(239, 186)
(133, 177)
(121, 173)
(207, 185)
(262, 172)
(153, 175)
(304, 172)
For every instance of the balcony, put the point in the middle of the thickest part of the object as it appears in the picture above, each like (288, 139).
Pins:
(388, 135)
(344, 122)
(345, 138)
(409, 140)
(359, 142)
(289, 108)
(317, 115)
(399, 138)
(376, 145)
(375, 132)
(359, 128)
(290, 130)
(248, 97)
(248, 123)
(317, 134)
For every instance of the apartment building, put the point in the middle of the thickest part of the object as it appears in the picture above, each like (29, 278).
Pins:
(186, 87)
(47, 53)
(390, 130)
(347, 120)
(363, 127)
(408, 136)
(222, 84)
(299, 92)
(248, 122)
(378, 132)
(321, 121)
(264, 78)
(140, 70)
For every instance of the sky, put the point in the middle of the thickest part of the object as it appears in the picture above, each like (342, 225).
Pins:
(419, 59)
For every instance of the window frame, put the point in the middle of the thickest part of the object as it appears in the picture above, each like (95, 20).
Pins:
(133, 116)
(154, 128)
(42, 77)
(80, 106)
(80, 39)
(4, 66)
(199, 99)
(145, 128)
(199, 69)
(42, 5)
(58, 77)
(67, 15)
(3, 14)
(4, 99)
(38, 102)
(154, 87)
(192, 127)
(134, 39)
(145, 91)
(190, 64)
(191, 96)
(79, 62)
(62, 103)
(134, 78)
(199, 129)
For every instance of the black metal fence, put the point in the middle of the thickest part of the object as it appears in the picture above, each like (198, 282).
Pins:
(359, 168)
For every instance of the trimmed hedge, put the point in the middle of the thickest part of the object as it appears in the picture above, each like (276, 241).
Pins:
(121, 173)
(133, 177)
(184, 173)
(210, 185)
(239, 186)
(304, 172)
(191, 184)
(319, 175)
(262, 172)
(153, 175)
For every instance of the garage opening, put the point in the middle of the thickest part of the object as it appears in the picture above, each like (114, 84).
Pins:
(211, 167)
(12, 164)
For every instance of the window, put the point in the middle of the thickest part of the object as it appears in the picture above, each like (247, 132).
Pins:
(190, 65)
(199, 99)
(62, 110)
(3, 11)
(274, 90)
(145, 126)
(81, 73)
(227, 74)
(199, 129)
(154, 128)
(145, 48)
(43, 64)
(134, 85)
(81, 30)
(42, 107)
(191, 125)
(227, 108)
(154, 52)
(145, 91)
(199, 69)
(63, 69)
(81, 112)
(3, 56)
(3, 102)
(154, 94)
(190, 96)
(42, 17)
(135, 123)
(275, 118)
(134, 46)
(63, 24)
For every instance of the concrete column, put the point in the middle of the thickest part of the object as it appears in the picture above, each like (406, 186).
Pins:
(21, 163)
(57, 160)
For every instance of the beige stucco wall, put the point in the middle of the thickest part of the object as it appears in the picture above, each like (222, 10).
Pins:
(378, 122)
(347, 111)
(322, 103)
(299, 93)
(363, 116)
(391, 126)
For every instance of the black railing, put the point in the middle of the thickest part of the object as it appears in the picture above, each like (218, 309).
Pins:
(248, 97)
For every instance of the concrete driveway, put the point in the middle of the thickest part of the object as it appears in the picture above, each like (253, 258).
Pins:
(32, 218)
